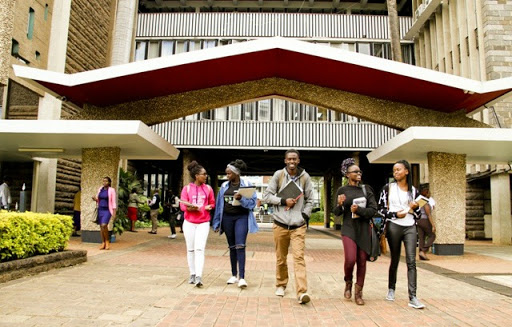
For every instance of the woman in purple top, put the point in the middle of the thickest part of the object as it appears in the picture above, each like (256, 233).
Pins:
(106, 202)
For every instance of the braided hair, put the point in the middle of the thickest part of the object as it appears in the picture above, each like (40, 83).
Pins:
(346, 164)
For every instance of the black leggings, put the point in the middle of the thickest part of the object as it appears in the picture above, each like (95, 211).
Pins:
(395, 235)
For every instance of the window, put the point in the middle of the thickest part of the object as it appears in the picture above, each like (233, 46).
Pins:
(192, 45)
(140, 51)
(293, 111)
(46, 9)
(154, 49)
(167, 48)
(205, 115)
(30, 28)
(191, 117)
(180, 47)
(15, 50)
(363, 48)
(309, 113)
(220, 113)
(278, 110)
(249, 110)
(322, 114)
(209, 44)
(38, 55)
(235, 112)
(264, 110)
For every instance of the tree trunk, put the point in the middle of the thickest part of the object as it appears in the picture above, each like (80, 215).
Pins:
(394, 31)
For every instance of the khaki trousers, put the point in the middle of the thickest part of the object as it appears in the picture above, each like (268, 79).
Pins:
(154, 219)
(282, 240)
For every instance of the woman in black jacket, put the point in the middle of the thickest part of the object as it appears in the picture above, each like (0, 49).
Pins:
(399, 210)
(356, 202)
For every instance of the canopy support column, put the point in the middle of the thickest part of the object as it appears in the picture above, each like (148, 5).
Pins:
(96, 164)
(500, 203)
(447, 174)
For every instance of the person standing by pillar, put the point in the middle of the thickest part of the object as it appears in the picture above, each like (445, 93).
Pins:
(399, 210)
(5, 194)
(290, 216)
(197, 201)
(106, 200)
(154, 206)
(426, 226)
(356, 226)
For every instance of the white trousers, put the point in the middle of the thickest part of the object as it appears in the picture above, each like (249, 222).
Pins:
(195, 237)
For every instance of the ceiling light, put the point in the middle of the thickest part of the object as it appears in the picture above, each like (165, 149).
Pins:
(56, 150)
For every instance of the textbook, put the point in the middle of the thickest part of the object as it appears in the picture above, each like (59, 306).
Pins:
(421, 201)
(290, 191)
(246, 192)
(361, 202)
(188, 204)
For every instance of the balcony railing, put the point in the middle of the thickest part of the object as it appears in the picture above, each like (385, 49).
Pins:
(274, 135)
(248, 25)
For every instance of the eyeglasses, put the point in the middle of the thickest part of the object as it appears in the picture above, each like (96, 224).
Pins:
(356, 172)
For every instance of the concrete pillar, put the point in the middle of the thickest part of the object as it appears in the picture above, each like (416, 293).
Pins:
(45, 170)
(124, 32)
(336, 185)
(327, 200)
(447, 174)
(96, 164)
(6, 28)
(187, 158)
(500, 202)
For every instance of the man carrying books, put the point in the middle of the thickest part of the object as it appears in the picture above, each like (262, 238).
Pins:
(290, 193)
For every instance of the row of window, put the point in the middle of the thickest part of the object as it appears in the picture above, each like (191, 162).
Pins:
(148, 49)
(273, 110)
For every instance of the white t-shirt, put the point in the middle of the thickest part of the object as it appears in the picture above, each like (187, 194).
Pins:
(398, 201)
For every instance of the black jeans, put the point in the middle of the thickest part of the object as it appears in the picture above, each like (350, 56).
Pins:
(425, 232)
(236, 228)
(395, 235)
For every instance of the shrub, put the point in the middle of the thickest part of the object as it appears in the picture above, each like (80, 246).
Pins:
(318, 218)
(23, 235)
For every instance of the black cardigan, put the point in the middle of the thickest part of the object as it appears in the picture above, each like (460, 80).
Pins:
(357, 229)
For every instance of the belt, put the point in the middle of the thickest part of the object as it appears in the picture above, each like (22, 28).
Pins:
(287, 226)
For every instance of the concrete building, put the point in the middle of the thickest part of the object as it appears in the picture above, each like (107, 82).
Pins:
(86, 35)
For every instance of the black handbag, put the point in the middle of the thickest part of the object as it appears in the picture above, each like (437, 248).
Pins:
(95, 216)
(374, 243)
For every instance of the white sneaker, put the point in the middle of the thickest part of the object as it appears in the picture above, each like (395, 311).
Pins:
(172, 236)
(280, 291)
(232, 280)
(242, 283)
(415, 303)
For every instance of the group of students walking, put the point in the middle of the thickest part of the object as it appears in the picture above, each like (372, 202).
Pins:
(355, 202)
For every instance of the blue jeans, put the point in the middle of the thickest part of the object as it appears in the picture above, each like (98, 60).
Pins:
(236, 228)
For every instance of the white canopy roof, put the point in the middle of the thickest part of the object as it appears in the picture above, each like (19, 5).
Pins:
(480, 145)
(22, 140)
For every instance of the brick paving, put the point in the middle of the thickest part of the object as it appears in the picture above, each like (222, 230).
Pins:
(142, 281)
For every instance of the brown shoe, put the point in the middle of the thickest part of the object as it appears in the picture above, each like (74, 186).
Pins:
(358, 296)
(348, 290)
(423, 256)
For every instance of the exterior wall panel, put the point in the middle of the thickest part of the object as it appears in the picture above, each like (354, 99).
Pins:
(264, 134)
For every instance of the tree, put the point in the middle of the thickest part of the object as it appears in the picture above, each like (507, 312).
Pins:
(394, 31)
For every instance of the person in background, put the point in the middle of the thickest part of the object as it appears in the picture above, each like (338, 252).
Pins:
(133, 207)
(171, 210)
(154, 206)
(426, 225)
(5, 194)
(290, 216)
(399, 210)
(355, 231)
(76, 212)
(235, 220)
(106, 199)
(199, 201)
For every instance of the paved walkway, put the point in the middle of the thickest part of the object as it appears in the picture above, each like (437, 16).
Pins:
(142, 281)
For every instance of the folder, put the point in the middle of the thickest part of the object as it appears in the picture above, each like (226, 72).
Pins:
(291, 190)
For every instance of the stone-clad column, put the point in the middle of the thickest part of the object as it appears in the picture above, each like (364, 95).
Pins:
(6, 28)
(124, 32)
(96, 164)
(447, 175)
(500, 202)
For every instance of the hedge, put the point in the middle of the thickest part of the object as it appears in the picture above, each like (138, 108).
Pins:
(27, 234)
